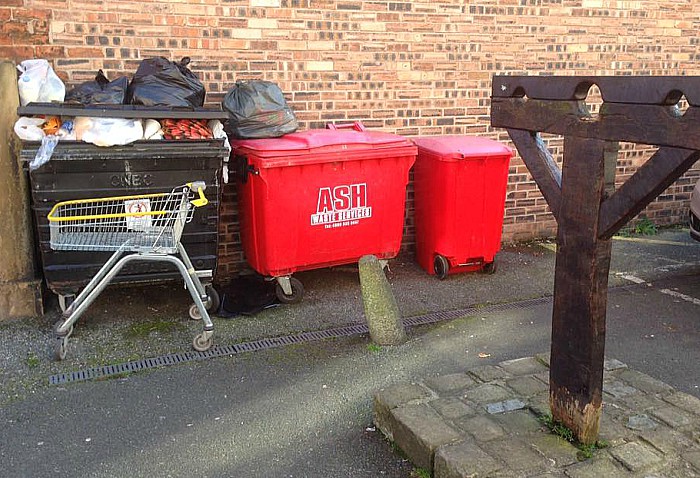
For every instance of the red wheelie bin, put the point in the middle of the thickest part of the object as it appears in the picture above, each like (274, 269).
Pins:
(320, 198)
(460, 185)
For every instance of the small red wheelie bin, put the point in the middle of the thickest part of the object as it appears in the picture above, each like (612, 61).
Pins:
(320, 198)
(460, 186)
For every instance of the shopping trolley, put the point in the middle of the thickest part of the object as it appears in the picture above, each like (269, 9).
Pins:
(143, 227)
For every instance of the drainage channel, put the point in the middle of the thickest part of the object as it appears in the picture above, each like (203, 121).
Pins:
(274, 342)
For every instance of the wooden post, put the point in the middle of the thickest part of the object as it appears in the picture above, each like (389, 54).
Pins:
(580, 288)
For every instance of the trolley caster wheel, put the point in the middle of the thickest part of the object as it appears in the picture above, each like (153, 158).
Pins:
(60, 348)
(64, 301)
(200, 344)
(295, 296)
(489, 268)
(441, 266)
(211, 304)
(56, 326)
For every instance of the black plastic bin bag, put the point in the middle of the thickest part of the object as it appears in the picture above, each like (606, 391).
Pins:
(161, 82)
(257, 109)
(100, 91)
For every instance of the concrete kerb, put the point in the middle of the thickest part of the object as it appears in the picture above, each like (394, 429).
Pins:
(485, 423)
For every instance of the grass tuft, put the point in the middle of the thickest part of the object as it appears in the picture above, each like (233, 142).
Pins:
(565, 433)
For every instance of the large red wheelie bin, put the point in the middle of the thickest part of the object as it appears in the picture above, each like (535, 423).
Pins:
(460, 186)
(320, 198)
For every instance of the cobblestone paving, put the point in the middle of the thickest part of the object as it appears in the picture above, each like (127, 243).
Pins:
(486, 423)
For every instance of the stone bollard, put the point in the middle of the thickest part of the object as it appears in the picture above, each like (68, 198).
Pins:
(383, 318)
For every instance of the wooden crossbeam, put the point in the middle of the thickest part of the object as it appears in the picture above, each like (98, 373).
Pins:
(645, 124)
(541, 164)
(650, 180)
(643, 90)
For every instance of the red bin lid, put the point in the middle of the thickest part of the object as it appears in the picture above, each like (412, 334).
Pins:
(323, 145)
(452, 148)
(321, 141)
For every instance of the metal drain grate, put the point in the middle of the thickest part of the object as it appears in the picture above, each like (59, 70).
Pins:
(273, 342)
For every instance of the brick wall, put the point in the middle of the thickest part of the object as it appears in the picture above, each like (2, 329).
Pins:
(408, 67)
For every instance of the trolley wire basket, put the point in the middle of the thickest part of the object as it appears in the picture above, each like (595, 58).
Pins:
(148, 222)
(145, 227)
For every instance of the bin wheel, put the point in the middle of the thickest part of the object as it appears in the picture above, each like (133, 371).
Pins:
(213, 298)
(489, 268)
(211, 304)
(295, 296)
(64, 301)
(441, 266)
(60, 348)
(200, 344)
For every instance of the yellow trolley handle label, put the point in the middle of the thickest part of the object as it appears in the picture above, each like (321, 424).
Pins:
(198, 186)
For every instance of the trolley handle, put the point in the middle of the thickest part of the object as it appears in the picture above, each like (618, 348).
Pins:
(198, 186)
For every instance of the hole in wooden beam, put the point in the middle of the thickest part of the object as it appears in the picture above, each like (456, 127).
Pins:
(593, 101)
(680, 107)
(674, 97)
(519, 93)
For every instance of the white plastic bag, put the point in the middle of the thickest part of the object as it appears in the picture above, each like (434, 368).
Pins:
(152, 130)
(39, 83)
(45, 151)
(29, 129)
(218, 132)
(108, 131)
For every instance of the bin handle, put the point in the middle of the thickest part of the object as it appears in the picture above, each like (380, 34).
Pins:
(198, 186)
(242, 168)
(357, 126)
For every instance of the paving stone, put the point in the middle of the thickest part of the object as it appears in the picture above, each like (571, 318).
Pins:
(523, 366)
(452, 408)
(618, 389)
(543, 377)
(464, 460)
(641, 422)
(539, 407)
(693, 457)
(681, 469)
(636, 457)
(640, 403)
(603, 467)
(489, 373)
(518, 422)
(610, 365)
(482, 428)
(527, 386)
(544, 358)
(519, 456)
(666, 441)
(558, 451)
(615, 411)
(684, 401)
(391, 397)
(505, 406)
(419, 431)
(487, 393)
(401, 393)
(614, 432)
(644, 382)
(672, 417)
(450, 383)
